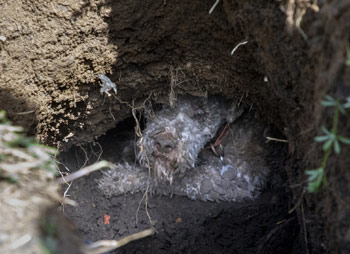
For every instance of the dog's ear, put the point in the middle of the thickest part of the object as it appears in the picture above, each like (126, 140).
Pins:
(235, 111)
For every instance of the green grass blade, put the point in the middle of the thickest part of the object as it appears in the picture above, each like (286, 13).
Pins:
(325, 131)
(327, 145)
(321, 138)
(328, 103)
(344, 140)
(336, 147)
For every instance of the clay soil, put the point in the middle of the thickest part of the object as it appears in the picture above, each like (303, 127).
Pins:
(52, 51)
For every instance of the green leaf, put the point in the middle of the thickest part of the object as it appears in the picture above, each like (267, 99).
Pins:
(321, 138)
(324, 129)
(347, 61)
(2, 115)
(336, 147)
(324, 180)
(344, 140)
(315, 178)
(328, 103)
(327, 145)
(330, 98)
(13, 179)
(341, 108)
(347, 103)
(22, 141)
(312, 174)
(3, 118)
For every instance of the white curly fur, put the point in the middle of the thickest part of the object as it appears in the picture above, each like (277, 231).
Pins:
(239, 174)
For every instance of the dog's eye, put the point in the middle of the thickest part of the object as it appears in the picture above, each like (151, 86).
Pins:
(198, 113)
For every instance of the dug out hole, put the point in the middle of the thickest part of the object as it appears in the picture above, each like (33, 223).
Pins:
(263, 225)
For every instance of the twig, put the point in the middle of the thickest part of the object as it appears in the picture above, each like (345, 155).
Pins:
(144, 197)
(240, 100)
(276, 139)
(25, 113)
(110, 112)
(98, 155)
(222, 135)
(214, 6)
(85, 171)
(138, 132)
(86, 156)
(174, 82)
(139, 144)
(67, 189)
(298, 203)
(62, 175)
(237, 46)
(298, 22)
(108, 245)
(298, 184)
(304, 227)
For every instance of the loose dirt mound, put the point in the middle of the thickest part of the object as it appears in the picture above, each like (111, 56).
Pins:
(51, 53)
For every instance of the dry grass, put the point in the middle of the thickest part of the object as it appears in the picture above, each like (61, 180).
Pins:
(26, 189)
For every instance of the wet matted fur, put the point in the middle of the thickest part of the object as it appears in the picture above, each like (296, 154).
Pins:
(173, 160)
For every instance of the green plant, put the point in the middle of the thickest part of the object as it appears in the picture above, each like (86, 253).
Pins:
(48, 242)
(331, 141)
(347, 60)
(3, 119)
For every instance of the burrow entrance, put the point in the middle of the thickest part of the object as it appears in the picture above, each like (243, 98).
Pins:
(142, 46)
(183, 225)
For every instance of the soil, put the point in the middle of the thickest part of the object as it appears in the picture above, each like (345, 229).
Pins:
(263, 225)
(52, 51)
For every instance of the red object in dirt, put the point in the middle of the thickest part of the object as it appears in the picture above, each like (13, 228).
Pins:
(106, 219)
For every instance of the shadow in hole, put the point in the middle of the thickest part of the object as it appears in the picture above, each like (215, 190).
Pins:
(151, 37)
(183, 225)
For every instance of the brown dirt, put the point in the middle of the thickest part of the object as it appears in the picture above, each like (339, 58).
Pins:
(53, 51)
(183, 226)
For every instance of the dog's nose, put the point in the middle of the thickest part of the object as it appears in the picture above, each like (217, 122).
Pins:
(165, 143)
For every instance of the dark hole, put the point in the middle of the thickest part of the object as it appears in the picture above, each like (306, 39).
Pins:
(259, 226)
